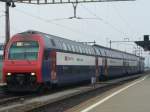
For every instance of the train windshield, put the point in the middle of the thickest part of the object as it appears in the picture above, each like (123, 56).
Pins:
(27, 50)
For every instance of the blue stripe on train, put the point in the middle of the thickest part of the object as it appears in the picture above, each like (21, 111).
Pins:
(74, 74)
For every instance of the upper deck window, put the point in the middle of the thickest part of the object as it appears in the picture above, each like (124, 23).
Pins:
(83, 49)
(77, 49)
(92, 51)
(68, 47)
(80, 49)
(53, 43)
(73, 48)
(24, 50)
(64, 46)
(97, 51)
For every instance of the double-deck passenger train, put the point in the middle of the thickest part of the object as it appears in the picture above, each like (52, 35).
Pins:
(34, 59)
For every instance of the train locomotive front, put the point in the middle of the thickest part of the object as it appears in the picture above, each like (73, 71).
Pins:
(22, 62)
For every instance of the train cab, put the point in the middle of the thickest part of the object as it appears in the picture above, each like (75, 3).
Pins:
(23, 61)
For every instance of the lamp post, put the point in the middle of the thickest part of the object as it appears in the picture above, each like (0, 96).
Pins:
(7, 19)
(7, 22)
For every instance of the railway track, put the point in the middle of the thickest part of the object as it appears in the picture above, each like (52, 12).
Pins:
(4, 95)
(8, 99)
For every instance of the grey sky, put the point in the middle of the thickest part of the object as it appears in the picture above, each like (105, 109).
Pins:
(111, 20)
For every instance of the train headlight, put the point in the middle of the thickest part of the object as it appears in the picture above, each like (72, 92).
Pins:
(33, 74)
(8, 74)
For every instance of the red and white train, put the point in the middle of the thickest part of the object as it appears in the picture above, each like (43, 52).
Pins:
(33, 59)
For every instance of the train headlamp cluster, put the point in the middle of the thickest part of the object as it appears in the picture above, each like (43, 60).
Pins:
(33, 74)
(8, 74)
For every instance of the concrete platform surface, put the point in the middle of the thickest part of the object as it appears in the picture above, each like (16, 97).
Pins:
(28, 104)
(134, 97)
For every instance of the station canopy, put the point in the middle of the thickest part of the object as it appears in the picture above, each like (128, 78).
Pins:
(59, 1)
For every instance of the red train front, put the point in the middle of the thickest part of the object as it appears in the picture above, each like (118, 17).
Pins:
(23, 61)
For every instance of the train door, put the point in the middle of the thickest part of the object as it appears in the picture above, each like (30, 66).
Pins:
(46, 66)
(106, 68)
(140, 66)
(53, 66)
(124, 67)
(96, 69)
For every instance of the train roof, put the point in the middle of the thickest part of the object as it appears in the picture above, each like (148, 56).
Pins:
(52, 41)
(115, 52)
(57, 42)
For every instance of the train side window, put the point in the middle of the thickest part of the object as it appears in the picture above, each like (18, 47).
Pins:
(64, 46)
(77, 49)
(84, 50)
(68, 47)
(108, 53)
(88, 51)
(73, 49)
(93, 51)
(60, 44)
(80, 49)
(53, 43)
(97, 51)
(100, 52)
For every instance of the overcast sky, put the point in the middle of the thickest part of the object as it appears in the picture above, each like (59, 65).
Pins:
(107, 21)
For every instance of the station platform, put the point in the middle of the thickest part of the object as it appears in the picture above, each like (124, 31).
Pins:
(29, 104)
(133, 97)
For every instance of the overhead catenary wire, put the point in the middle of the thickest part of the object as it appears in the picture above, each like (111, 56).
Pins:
(52, 21)
(104, 21)
(124, 20)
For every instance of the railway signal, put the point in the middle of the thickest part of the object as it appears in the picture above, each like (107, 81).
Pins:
(145, 44)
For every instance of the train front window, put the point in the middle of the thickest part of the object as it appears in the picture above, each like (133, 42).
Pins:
(24, 50)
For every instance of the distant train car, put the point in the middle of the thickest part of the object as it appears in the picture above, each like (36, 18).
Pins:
(34, 59)
(116, 63)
